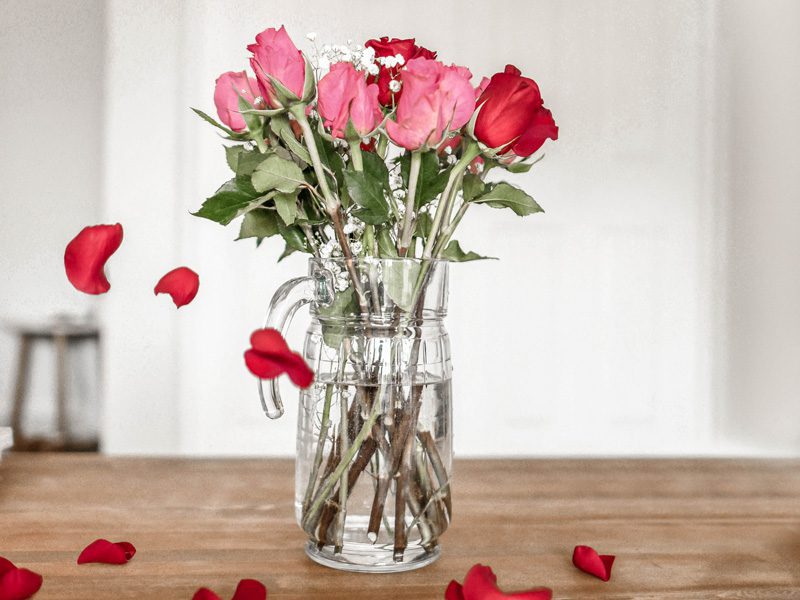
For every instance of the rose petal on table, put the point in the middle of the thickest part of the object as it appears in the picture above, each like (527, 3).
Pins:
(19, 584)
(181, 283)
(86, 255)
(453, 591)
(589, 561)
(250, 589)
(270, 356)
(481, 584)
(105, 552)
(5, 566)
(205, 594)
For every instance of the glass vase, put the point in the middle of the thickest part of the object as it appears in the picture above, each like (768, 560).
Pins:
(374, 439)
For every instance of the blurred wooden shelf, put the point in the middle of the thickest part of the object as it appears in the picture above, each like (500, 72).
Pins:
(681, 529)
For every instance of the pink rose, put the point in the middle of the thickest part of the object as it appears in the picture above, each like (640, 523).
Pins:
(230, 86)
(276, 56)
(343, 96)
(436, 100)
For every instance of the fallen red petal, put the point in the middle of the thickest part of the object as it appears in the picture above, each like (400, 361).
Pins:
(270, 356)
(250, 589)
(105, 552)
(453, 591)
(5, 566)
(19, 584)
(262, 366)
(86, 255)
(181, 283)
(298, 371)
(269, 341)
(481, 584)
(589, 561)
(205, 594)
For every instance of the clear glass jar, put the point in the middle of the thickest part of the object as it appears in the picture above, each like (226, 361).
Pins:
(374, 442)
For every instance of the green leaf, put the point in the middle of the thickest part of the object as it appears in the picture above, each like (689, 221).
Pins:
(259, 224)
(505, 195)
(454, 253)
(399, 280)
(430, 181)
(520, 167)
(368, 193)
(386, 247)
(472, 187)
(282, 128)
(376, 168)
(248, 161)
(293, 235)
(275, 173)
(344, 305)
(331, 160)
(286, 252)
(226, 203)
(287, 207)
(422, 228)
(232, 156)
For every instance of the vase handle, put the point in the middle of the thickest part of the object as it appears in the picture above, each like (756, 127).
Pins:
(293, 294)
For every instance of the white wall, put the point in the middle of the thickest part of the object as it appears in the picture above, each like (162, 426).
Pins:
(762, 70)
(603, 309)
(51, 104)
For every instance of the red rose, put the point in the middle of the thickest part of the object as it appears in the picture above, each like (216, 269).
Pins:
(392, 47)
(512, 115)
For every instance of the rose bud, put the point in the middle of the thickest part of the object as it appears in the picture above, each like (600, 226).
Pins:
(384, 48)
(343, 97)
(229, 87)
(436, 100)
(275, 56)
(511, 115)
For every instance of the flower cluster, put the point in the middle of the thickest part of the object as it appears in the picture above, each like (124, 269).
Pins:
(374, 149)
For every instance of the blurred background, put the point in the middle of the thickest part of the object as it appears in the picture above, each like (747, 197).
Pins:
(653, 310)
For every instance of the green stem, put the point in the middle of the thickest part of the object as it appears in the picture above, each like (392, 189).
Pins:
(451, 228)
(336, 475)
(299, 112)
(344, 444)
(332, 204)
(408, 219)
(355, 155)
(470, 152)
(323, 434)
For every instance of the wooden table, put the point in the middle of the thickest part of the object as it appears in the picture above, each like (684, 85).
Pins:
(681, 529)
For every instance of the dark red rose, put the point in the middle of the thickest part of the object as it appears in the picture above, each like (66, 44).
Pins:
(512, 115)
(383, 47)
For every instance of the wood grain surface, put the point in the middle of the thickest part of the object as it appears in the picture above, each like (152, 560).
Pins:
(681, 529)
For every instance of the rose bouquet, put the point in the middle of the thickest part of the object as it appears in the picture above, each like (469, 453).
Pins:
(367, 158)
